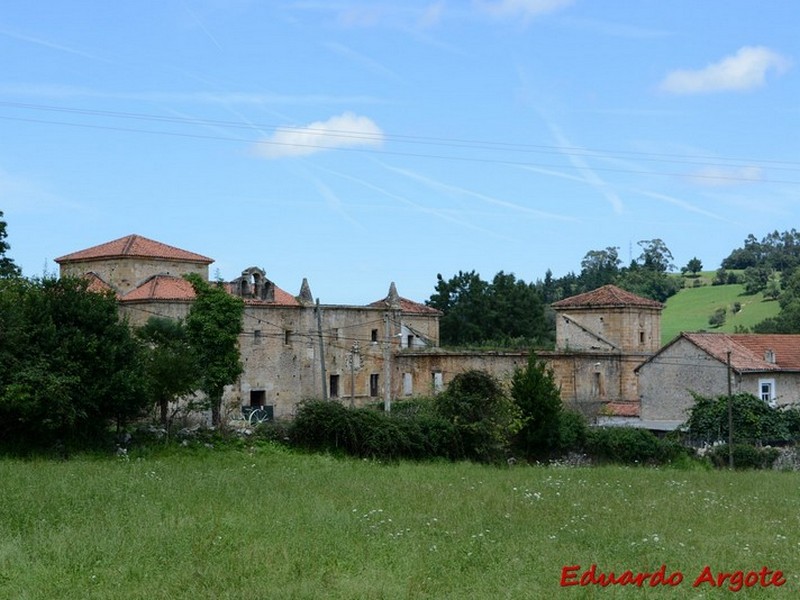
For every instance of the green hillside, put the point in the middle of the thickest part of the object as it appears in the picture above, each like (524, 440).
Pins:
(689, 309)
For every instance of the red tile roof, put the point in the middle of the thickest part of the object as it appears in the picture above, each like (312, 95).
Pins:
(406, 306)
(608, 296)
(161, 287)
(622, 409)
(750, 352)
(96, 283)
(134, 246)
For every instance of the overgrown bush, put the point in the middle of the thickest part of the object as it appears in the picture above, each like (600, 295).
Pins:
(370, 433)
(754, 421)
(630, 445)
(745, 456)
(538, 397)
(572, 431)
(484, 416)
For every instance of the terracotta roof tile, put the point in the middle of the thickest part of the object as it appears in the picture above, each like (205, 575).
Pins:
(750, 352)
(605, 297)
(134, 246)
(161, 287)
(407, 306)
(622, 409)
(97, 284)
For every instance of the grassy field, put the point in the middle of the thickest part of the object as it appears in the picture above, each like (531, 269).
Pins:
(689, 309)
(269, 523)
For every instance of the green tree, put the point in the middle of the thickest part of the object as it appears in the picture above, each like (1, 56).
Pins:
(655, 256)
(214, 324)
(464, 301)
(504, 311)
(68, 365)
(599, 267)
(693, 267)
(170, 362)
(484, 415)
(7, 267)
(538, 397)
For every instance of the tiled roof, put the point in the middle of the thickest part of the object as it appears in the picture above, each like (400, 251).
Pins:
(96, 283)
(406, 306)
(161, 287)
(750, 352)
(605, 297)
(134, 246)
(622, 409)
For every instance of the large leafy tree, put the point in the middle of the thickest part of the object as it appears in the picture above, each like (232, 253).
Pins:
(504, 311)
(170, 363)
(69, 366)
(213, 325)
(7, 266)
(599, 267)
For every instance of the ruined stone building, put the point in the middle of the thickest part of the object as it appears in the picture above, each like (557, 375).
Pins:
(294, 349)
(286, 339)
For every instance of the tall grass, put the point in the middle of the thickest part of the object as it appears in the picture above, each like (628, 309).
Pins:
(269, 523)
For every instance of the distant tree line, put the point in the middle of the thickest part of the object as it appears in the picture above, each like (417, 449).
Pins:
(510, 312)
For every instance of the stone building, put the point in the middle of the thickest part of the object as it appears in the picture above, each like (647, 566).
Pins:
(767, 366)
(293, 348)
(286, 340)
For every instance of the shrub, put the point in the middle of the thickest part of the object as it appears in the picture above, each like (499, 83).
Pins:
(753, 420)
(629, 445)
(572, 431)
(484, 416)
(745, 456)
(538, 398)
(370, 433)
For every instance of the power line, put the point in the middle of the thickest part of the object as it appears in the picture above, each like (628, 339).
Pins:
(454, 143)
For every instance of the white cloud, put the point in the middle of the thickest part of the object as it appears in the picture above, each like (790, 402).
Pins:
(523, 8)
(745, 70)
(347, 130)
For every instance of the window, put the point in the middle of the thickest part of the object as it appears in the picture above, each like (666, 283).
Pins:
(257, 336)
(641, 338)
(373, 385)
(408, 384)
(438, 381)
(410, 341)
(258, 397)
(287, 336)
(766, 390)
(374, 336)
(334, 386)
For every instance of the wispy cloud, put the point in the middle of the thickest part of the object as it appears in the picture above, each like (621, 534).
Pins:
(743, 71)
(199, 97)
(681, 204)
(452, 189)
(588, 175)
(52, 45)
(365, 61)
(520, 8)
(715, 176)
(347, 130)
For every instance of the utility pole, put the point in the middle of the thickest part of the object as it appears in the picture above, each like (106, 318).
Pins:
(322, 353)
(730, 415)
(353, 353)
(387, 369)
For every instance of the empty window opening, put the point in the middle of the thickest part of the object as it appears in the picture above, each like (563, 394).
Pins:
(334, 386)
(438, 381)
(258, 397)
(374, 336)
(287, 336)
(408, 384)
(373, 385)
(257, 336)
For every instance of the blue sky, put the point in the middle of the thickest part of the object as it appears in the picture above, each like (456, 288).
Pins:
(359, 143)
